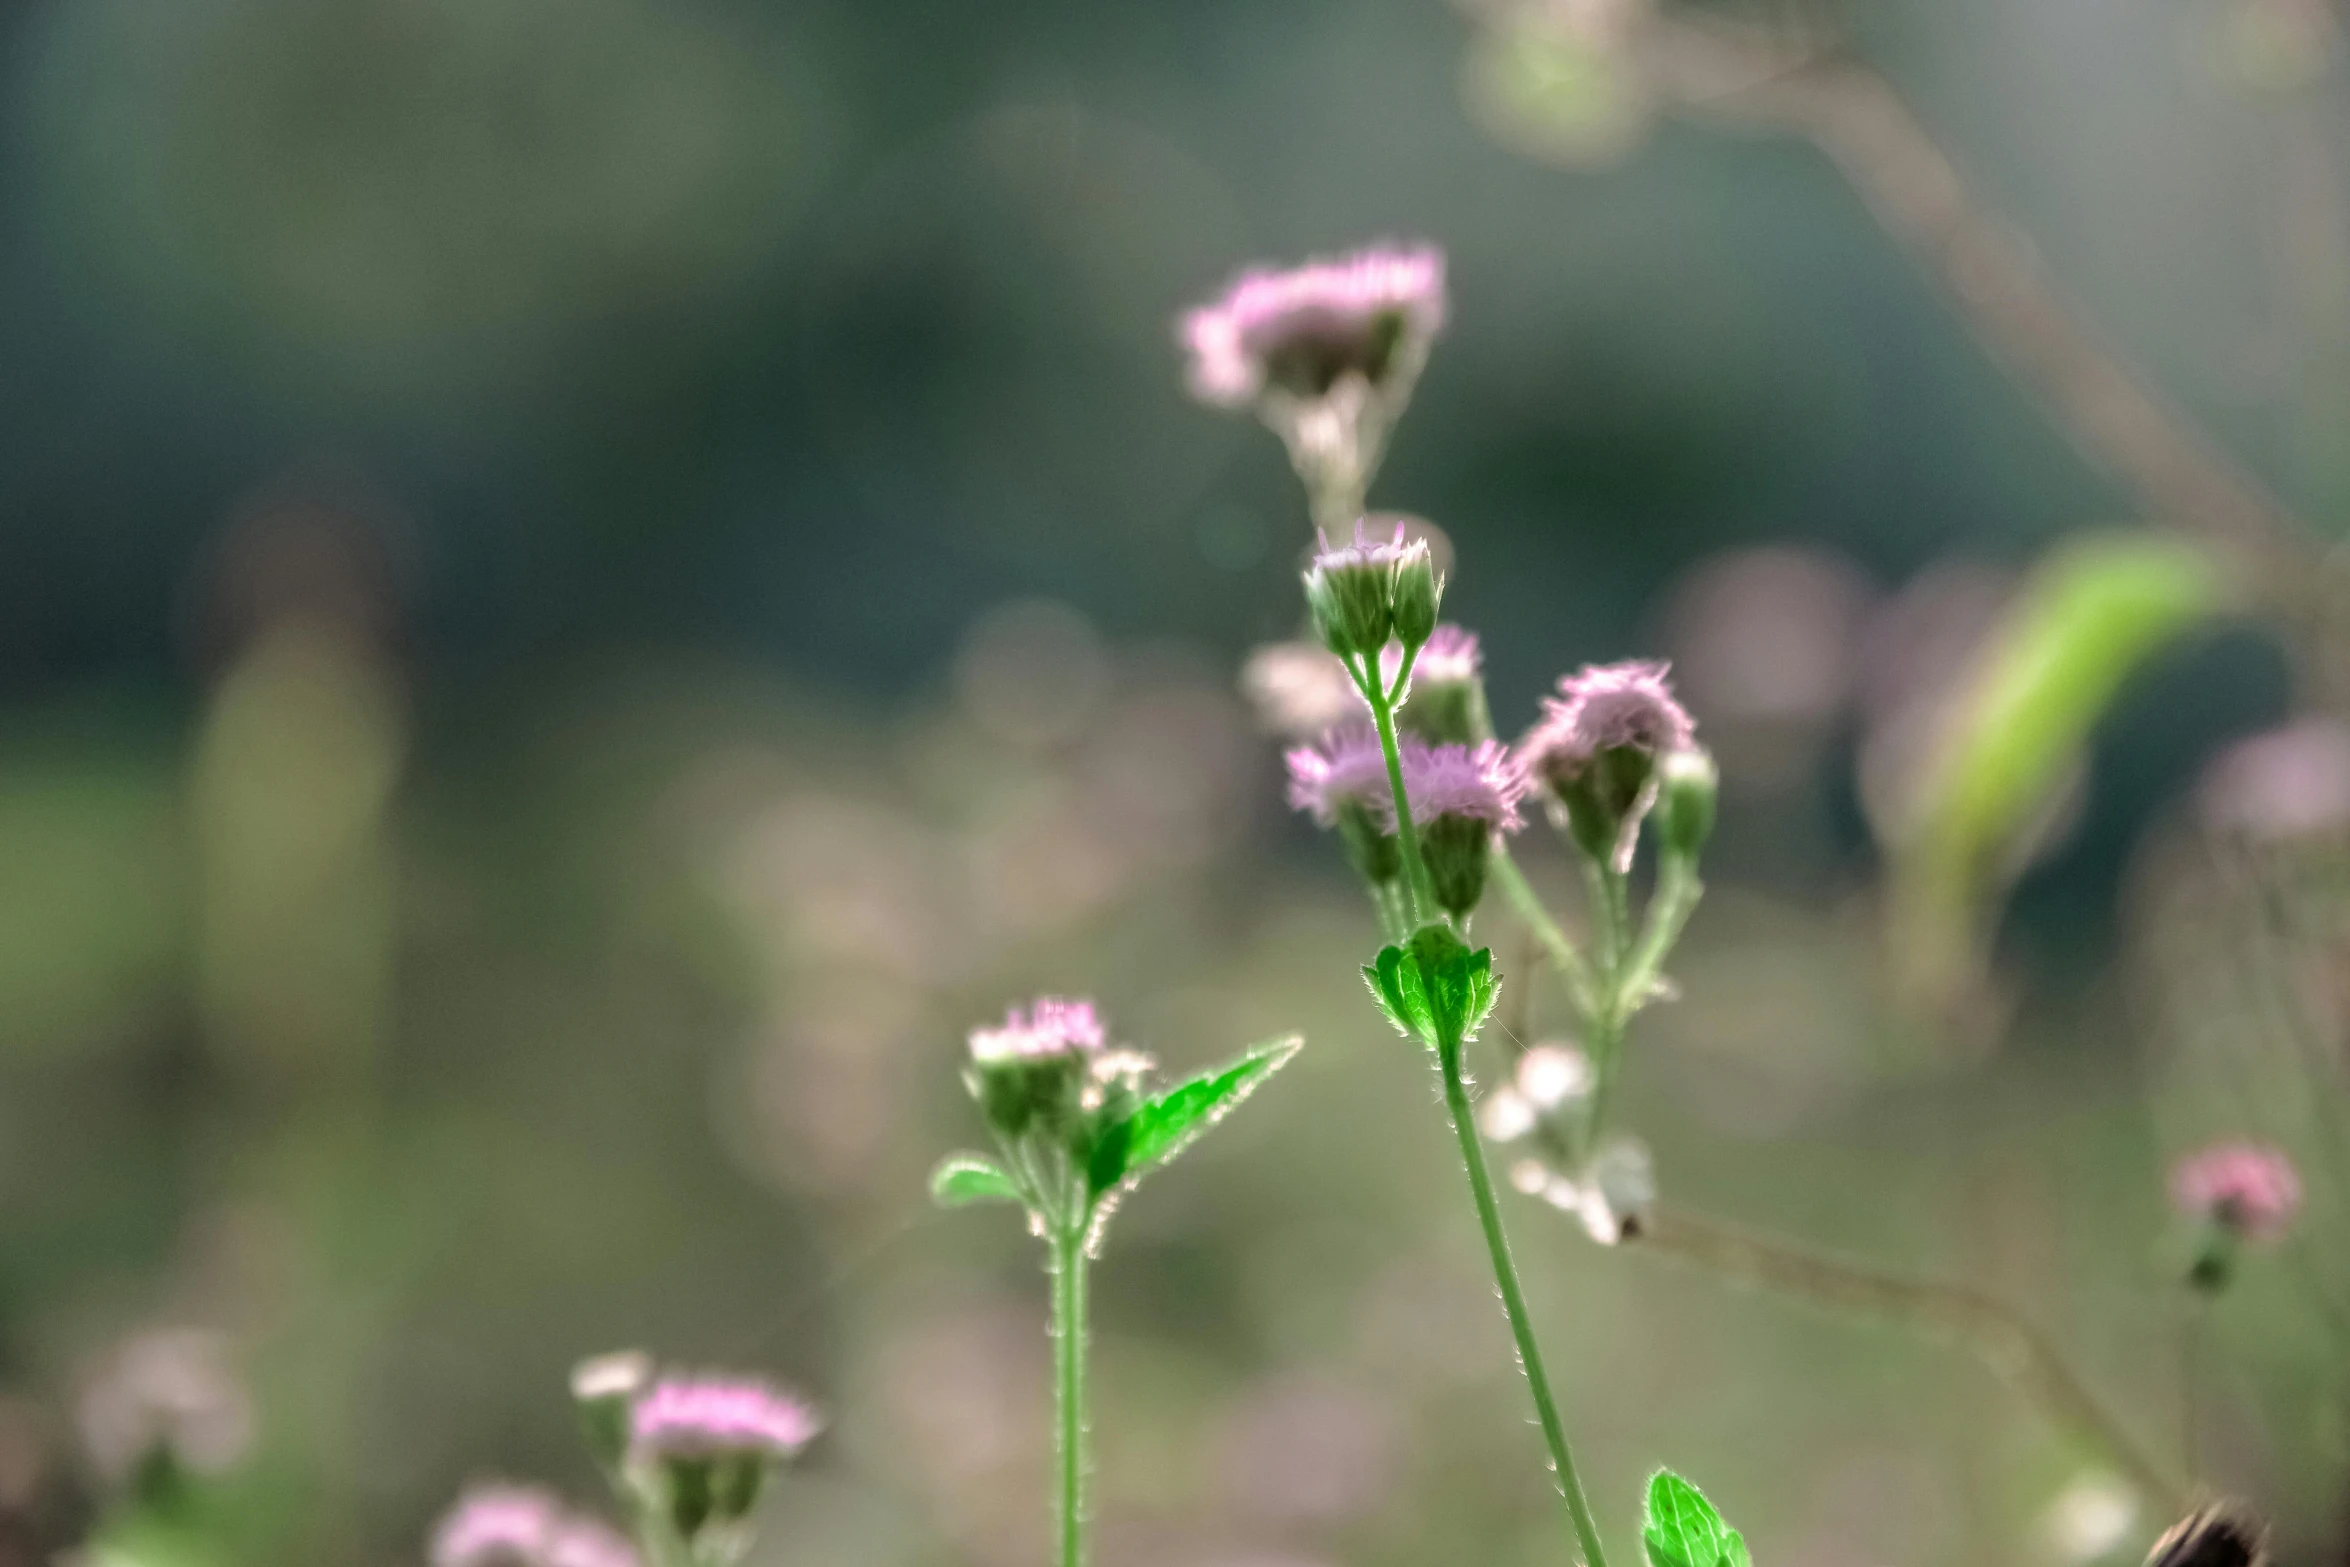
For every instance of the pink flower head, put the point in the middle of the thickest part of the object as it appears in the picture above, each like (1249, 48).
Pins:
(2285, 784)
(1450, 657)
(1483, 783)
(722, 1417)
(1372, 313)
(2249, 1188)
(1605, 707)
(1344, 767)
(1052, 1026)
(498, 1526)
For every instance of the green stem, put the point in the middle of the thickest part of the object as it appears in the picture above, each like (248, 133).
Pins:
(1677, 892)
(1068, 1269)
(1421, 898)
(1513, 1302)
(1528, 905)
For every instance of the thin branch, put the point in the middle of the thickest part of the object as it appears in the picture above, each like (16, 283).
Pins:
(1989, 270)
(1995, 1333)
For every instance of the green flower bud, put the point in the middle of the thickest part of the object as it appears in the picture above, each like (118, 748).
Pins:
(1418, 590)
(1351, 592)
(1687, 782)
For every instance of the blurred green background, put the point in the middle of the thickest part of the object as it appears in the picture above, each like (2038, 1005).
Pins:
(584, 584)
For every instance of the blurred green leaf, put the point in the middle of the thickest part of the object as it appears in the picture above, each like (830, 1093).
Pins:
(1169, 1122)
(965, 1178)
(2088, 616)
(1683, 1530)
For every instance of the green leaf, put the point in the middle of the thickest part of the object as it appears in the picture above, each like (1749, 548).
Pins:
(2011, 735)
(1164, 1125)
(1395, 984)
(965, 1178)
(1683, 1530)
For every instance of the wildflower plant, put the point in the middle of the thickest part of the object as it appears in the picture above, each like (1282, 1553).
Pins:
(688, 1455)
(1613, 754)
(1078, 1123)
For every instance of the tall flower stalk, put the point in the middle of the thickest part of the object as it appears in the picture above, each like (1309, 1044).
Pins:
(1077, 1124)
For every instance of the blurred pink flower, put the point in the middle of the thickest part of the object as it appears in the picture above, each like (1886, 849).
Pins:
(711, 1416)
(1301, 329)
(2249, 1188)
(1297, 689)
(2288, 783)
(1052, 1026)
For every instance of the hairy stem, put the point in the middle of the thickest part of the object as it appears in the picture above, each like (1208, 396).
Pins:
(1513, 1302)
(1995, 1333)
(1068, 1270)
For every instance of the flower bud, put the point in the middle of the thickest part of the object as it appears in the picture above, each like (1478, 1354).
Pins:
(1350, 591)
(1687, 782)
(702, 1448)
(1418, 590)
(605, 1390)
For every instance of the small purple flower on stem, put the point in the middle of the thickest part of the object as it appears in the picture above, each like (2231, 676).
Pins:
(1596, 750)
(1327, 354)
(701, 1449)
(1460, 797)
(2249, 1190)
(1035, 1070)
(523, 1526)
(1300, 329)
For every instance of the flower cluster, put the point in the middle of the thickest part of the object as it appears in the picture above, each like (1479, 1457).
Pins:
(689, 1455)
(1368, 593)
(1050, 1087)
(1459, 795)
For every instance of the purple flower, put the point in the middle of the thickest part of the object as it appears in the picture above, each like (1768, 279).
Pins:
(1051, 1028)
(1606, 707)
(523, 1526)
(1596, 750)
(2247, 1188)
(1345, 767)
(725, 1417)
(1483, 783)
(1300, 330)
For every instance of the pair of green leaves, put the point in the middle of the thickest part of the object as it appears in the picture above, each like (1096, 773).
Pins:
(1683, 1530)
(1434, 988)
(1158, 1129)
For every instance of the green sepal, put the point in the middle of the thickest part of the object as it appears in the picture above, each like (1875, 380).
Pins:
(1163, 1125)
(1434, 988)
(965, 1178)
(1683, 1530)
